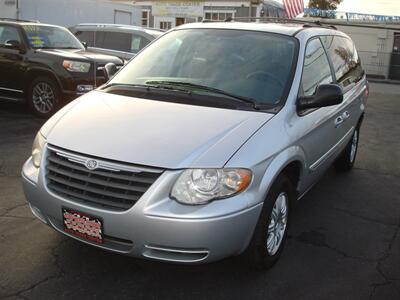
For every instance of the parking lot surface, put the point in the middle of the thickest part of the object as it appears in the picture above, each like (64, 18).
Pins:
(344, 241)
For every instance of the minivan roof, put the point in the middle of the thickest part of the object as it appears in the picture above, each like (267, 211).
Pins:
(289, 29)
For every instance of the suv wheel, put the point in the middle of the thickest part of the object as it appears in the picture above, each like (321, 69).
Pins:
(346, 160)
(271, 230)
(44, 97)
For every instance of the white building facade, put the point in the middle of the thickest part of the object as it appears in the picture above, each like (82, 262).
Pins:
(165, 14)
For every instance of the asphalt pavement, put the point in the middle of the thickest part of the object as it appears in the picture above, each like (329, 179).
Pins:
(344, 242)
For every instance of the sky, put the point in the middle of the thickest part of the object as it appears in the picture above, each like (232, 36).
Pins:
(376, 7)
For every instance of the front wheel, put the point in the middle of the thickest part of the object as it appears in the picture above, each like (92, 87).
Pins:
(43, 97)
(271, 230)
(346, 160)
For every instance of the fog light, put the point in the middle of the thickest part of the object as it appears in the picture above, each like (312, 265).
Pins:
(84, 88)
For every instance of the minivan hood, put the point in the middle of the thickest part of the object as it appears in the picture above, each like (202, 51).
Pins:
(81, 54)
(152, 133)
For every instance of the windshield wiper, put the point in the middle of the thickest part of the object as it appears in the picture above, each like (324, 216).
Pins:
(242, 99)
(146, 86)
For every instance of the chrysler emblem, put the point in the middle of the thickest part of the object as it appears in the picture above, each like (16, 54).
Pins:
(91, 164)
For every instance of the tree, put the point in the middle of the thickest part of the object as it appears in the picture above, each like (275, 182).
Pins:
(324, 4)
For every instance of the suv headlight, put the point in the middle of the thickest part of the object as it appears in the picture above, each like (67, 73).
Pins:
(76, 66)
(199, 186)
(37, 149)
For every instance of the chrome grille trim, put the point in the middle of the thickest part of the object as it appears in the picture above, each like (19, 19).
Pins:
(111, 185)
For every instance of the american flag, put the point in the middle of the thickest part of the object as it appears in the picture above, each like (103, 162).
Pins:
(293, 8)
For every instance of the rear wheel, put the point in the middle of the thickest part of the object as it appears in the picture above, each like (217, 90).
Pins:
(271, 230)
(346, 160)
(43, 97)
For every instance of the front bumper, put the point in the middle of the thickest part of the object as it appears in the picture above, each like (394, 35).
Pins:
(156, 227)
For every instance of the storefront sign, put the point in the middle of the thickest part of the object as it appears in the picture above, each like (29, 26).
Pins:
(183, 9)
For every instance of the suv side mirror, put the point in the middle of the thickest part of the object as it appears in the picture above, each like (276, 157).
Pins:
(84, 44)
(326, 95)
(109, 70)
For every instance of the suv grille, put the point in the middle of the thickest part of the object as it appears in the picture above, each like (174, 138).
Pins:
(112, 185)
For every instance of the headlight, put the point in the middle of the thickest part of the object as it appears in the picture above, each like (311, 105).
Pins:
(199, 186)
(37, 148)
(76, 66)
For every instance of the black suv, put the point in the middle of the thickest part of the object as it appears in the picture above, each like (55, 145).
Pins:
(46, 65)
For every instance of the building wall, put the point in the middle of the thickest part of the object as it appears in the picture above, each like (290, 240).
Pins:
(8, 9)
(71, 12)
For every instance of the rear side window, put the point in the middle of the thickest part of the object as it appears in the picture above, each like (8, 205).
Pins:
(86, 36)
(345, 60)
(119, 41)
(316, 69)
(113, 40)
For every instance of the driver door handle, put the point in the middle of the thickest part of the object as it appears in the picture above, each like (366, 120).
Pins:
(339, 120)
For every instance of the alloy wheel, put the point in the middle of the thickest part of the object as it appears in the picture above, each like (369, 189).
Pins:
(277, 224)
(354, 144)
(43, 97)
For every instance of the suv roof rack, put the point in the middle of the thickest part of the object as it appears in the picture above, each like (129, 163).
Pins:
(19, 20)
(306, 23)
(102, 25)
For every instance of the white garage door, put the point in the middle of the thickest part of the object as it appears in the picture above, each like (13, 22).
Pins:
(122, 17)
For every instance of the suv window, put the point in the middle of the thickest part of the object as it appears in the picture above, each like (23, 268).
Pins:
(345, 60)
(8, 33)
(316, 69)
(119, 41)
(86, 36)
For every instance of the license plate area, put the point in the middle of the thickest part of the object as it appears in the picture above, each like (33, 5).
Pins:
(83, 225)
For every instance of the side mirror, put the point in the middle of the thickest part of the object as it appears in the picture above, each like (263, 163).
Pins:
(84, 44)
(326, 95)
(109, 70)
(13, 44)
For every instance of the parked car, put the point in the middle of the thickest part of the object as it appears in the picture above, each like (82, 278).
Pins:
(120, 40)
(45, 65)
(190, 156)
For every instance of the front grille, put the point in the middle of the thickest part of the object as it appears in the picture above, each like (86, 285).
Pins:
(112, 185)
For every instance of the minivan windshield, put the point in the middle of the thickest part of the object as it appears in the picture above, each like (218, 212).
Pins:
(50, 37)
(247, 64)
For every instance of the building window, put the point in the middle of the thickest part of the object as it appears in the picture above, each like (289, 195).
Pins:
(145, 18)
(165, 25)
(218, 16)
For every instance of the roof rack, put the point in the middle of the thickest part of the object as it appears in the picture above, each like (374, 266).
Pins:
(19, 20)
(306, 23)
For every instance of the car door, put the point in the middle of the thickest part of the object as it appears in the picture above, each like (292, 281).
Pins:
(11, 62)
(320, 132)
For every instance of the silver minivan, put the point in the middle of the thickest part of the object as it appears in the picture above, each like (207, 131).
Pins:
(199, 147)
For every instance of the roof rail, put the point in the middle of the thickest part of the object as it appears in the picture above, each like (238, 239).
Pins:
(19, 20)
(306, 23)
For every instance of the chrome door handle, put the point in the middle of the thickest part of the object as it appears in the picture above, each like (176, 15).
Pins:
(339, 120)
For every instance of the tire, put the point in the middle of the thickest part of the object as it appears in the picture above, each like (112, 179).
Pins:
(44, 97)
(260, 253)
(345, 161)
